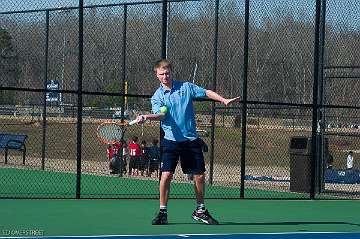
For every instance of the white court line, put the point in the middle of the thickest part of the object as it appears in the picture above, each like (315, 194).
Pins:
(189, 235)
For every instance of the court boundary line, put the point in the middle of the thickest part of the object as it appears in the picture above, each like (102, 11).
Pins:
(187, 235)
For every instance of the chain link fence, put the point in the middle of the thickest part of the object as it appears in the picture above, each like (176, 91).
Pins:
(291, 136)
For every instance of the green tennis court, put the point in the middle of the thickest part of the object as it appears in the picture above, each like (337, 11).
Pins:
(34, 183)
(132, 215)
(71, 217)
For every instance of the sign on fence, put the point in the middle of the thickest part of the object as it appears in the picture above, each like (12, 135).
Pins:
(53, 96)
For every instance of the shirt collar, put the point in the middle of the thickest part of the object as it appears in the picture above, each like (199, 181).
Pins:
(164, 90)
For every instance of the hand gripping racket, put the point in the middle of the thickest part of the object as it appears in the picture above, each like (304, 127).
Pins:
(111, 132)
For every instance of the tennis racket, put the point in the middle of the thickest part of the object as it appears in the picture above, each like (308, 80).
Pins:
(111, 132)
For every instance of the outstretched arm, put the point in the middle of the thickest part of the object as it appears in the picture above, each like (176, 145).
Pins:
(215, 96)
(142, 118)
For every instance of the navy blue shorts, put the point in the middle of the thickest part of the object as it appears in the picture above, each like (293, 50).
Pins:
(190, 155)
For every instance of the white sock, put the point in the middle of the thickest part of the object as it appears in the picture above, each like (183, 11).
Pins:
(200, 207)
(163, 209)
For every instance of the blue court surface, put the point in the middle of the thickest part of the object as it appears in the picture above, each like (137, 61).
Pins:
(298, 235)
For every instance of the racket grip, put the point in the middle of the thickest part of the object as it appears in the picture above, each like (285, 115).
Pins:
(133, 122)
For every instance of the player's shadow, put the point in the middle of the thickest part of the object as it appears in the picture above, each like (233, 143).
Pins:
(286, 223)
(295, 223)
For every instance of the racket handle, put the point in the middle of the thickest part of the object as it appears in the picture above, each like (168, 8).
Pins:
(133, 122)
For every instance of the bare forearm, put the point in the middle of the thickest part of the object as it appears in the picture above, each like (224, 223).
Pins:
(214, 96)
(143, 118)
(159, 116)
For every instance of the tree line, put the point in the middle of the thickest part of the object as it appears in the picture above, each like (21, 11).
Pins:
(280, 56)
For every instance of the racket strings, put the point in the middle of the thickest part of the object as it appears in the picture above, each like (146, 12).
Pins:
(110, 132)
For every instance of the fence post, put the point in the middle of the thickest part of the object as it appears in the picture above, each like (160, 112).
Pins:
(315, 105)
(213, 110)
(244, 99)
(43, 149)
(80, 102)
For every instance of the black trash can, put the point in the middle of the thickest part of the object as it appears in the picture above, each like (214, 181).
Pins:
(300, 164)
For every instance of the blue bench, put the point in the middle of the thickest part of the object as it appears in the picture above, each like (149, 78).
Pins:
(13, 142)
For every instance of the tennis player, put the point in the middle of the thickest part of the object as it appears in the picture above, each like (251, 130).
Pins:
(181, 140)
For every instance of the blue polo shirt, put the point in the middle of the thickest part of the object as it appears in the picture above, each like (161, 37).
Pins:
(179, 122)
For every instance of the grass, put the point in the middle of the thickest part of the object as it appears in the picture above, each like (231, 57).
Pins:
(264, 147)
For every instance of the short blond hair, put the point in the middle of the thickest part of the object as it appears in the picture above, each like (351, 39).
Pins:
(161, 64)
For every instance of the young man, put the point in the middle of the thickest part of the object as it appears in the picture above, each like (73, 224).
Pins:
(349, 161)
(181, 139)
(118, 147)
(110, 155)
(154, 158)
(143, 159)
(135, 153)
